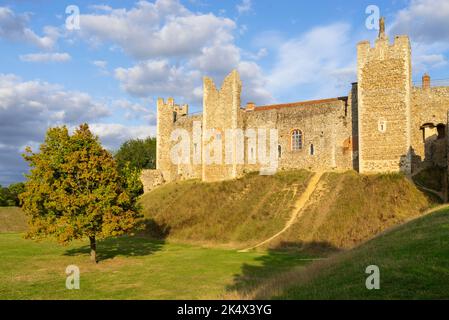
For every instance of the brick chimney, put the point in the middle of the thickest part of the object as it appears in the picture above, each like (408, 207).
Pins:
(425, 81)
(250, 106)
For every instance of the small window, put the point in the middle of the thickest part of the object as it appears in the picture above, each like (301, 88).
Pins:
(382, 126)
(279, 151)
(296, 140)
(252, 158)
(312, 150)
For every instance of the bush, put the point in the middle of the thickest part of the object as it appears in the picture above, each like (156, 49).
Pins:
(9, 196)
(138, 153)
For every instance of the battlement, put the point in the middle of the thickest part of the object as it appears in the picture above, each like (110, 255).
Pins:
(383, 49)
(179, 110)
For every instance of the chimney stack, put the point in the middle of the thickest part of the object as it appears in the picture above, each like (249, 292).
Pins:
(425, 81)
(250, 106)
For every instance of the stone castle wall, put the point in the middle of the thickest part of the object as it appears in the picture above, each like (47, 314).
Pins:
(326, 129)
(384, 96)
(384, 125)
(429, 108)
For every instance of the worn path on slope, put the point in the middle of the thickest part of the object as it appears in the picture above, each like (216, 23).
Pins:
(300, 204)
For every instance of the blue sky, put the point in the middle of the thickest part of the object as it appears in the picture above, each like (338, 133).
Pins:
(125, 54)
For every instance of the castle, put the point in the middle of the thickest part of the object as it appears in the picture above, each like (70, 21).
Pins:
(384, 124)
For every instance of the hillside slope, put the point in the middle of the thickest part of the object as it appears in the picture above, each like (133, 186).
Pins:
(412, 259)
(348, 208)
(241, 211)
(12, 219)
(344, 210)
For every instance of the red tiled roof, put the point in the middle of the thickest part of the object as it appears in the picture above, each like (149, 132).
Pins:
(300, 103)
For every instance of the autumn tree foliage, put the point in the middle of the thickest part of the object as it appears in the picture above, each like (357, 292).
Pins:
(74, 190)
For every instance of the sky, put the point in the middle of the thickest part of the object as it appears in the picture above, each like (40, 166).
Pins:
(107, 62)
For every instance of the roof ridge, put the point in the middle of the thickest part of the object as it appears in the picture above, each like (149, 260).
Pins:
(299, 103)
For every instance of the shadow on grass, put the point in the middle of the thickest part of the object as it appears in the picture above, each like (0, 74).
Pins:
(143, 244)
(276, 261)
(125, 246)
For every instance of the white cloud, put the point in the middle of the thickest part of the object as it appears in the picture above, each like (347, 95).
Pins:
(46, 57)
(113, 134)
(254, 83)
(28, 108)
(427, 24)
(13, 27)
(217, 60)
(100, 64)
(102, 67)
(159, 77)
(320, 62)
(424, 21)
(173, 46)
(244, 6)
(135, 111)
(161, 29)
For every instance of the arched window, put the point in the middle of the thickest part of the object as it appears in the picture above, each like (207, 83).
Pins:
(296, 140)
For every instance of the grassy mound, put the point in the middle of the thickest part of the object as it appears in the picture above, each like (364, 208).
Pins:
(344, 210)
(412, 260)
(348, 208)
(242, 211)
(12, 219)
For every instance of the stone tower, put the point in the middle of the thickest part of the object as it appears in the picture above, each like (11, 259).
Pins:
(167, 114)
(384, 99)
(221, 112)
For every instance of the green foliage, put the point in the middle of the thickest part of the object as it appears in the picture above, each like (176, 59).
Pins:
(2, 197)
(9, 196)
(74, 189)
(138, 153)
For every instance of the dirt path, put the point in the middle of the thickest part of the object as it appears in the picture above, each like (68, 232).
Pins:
(297, 209)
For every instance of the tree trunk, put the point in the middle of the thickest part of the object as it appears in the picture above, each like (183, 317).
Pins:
(93, 249)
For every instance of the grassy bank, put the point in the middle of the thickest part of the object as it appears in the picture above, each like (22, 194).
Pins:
(413, 262)
(238, 212)
(12, 219)
(344, 210)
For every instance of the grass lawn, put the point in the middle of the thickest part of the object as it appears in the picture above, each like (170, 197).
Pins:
(133, 268)
(413, 260)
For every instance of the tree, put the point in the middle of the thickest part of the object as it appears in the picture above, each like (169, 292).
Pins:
(15, 190)
(74, 190)
(7, 199)
(140, 154)
(2, 197)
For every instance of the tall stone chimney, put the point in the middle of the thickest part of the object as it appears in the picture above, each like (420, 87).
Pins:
(425, 81)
